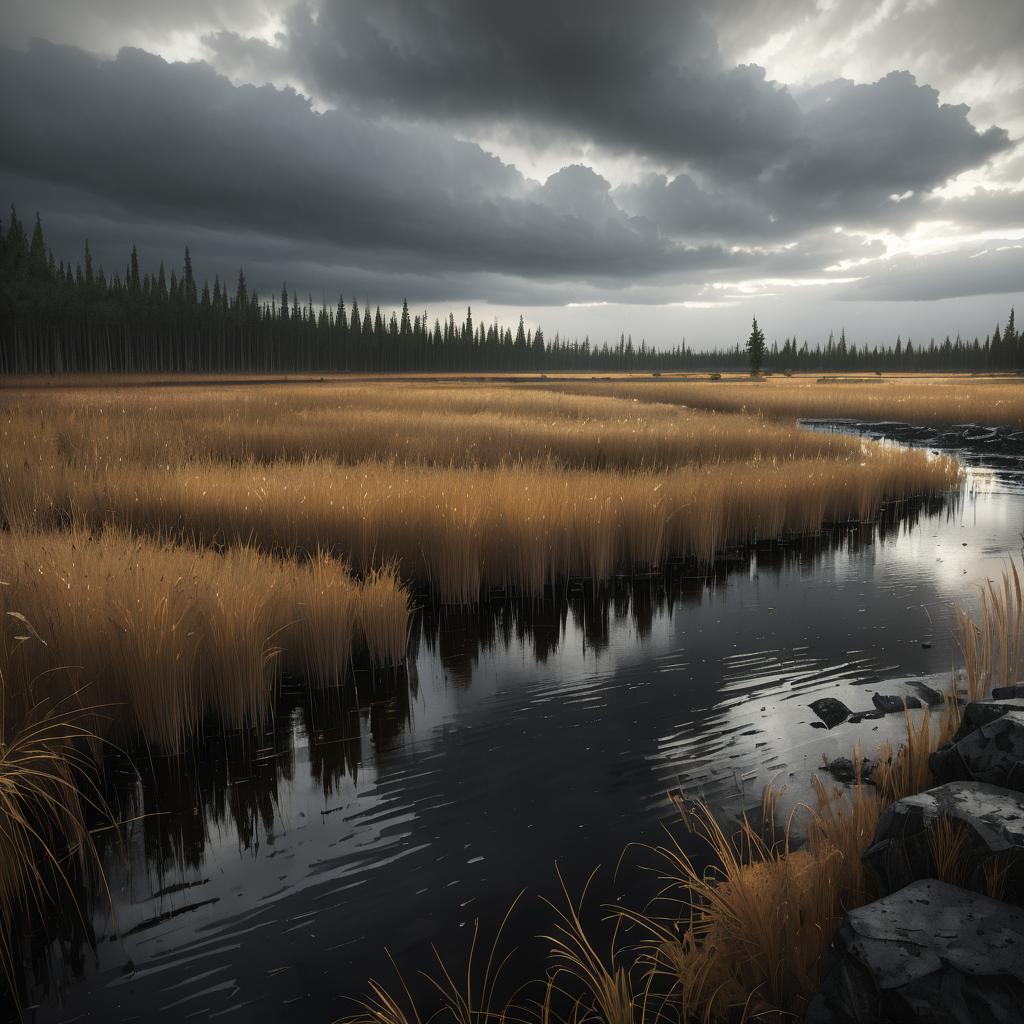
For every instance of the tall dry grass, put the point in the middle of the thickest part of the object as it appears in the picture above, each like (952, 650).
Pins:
(346, 423)
(753, 916)
(165, 635)
(460, 529)
(467, 995)
(749, 920)
(992, 644)
(933, 401)
(464, 486)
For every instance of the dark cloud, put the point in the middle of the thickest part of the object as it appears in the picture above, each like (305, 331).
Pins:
(737, 177)
(680, 206)
(317, 267)
(866, 155)
(862, 144)
(179, 141)
(644, 77)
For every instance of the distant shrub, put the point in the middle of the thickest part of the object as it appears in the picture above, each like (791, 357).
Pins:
(714, 376)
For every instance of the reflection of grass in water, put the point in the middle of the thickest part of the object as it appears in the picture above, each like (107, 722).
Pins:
(745, 932)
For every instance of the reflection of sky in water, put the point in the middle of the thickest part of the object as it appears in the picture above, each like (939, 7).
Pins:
(545, 732)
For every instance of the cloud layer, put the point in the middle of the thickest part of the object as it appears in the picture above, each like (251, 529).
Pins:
(377, 171)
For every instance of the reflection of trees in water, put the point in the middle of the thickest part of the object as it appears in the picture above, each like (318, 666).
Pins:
(173, 804)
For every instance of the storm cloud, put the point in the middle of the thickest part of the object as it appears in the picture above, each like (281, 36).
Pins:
(262, 159)
(533, 153)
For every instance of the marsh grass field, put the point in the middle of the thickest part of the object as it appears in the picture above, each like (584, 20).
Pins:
(180, 547)
(171, 551)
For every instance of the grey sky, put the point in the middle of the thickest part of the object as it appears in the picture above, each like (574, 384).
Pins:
(660, 168)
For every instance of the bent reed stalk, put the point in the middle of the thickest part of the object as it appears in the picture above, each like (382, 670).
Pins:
(48, 789)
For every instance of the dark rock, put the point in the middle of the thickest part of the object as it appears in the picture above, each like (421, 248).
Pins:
(865, 716)
(992, 753)
(929, 695)
(929, 953)
(1008, 692)
(981, 712)
(983, 833)
(831, 711)
(842, 769)
(889, 705)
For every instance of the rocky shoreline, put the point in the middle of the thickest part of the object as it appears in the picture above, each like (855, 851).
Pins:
(962, 438)
(945, 941)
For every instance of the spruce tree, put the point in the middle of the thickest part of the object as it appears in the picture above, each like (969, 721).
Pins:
(755, 347)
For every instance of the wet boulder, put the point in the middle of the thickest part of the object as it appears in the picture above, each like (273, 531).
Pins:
(888, 704)
(930, 952)
(992, 753)
(981, 712)
(831, 711)
(970, 832)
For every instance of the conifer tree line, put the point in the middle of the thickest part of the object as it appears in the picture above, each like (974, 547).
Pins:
(56, 317)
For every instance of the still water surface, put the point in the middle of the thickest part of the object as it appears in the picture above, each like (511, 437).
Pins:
(265, 887)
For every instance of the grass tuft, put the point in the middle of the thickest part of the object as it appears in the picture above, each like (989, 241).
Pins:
(48, 790)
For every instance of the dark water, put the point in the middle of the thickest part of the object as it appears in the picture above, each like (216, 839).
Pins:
(264, 884)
